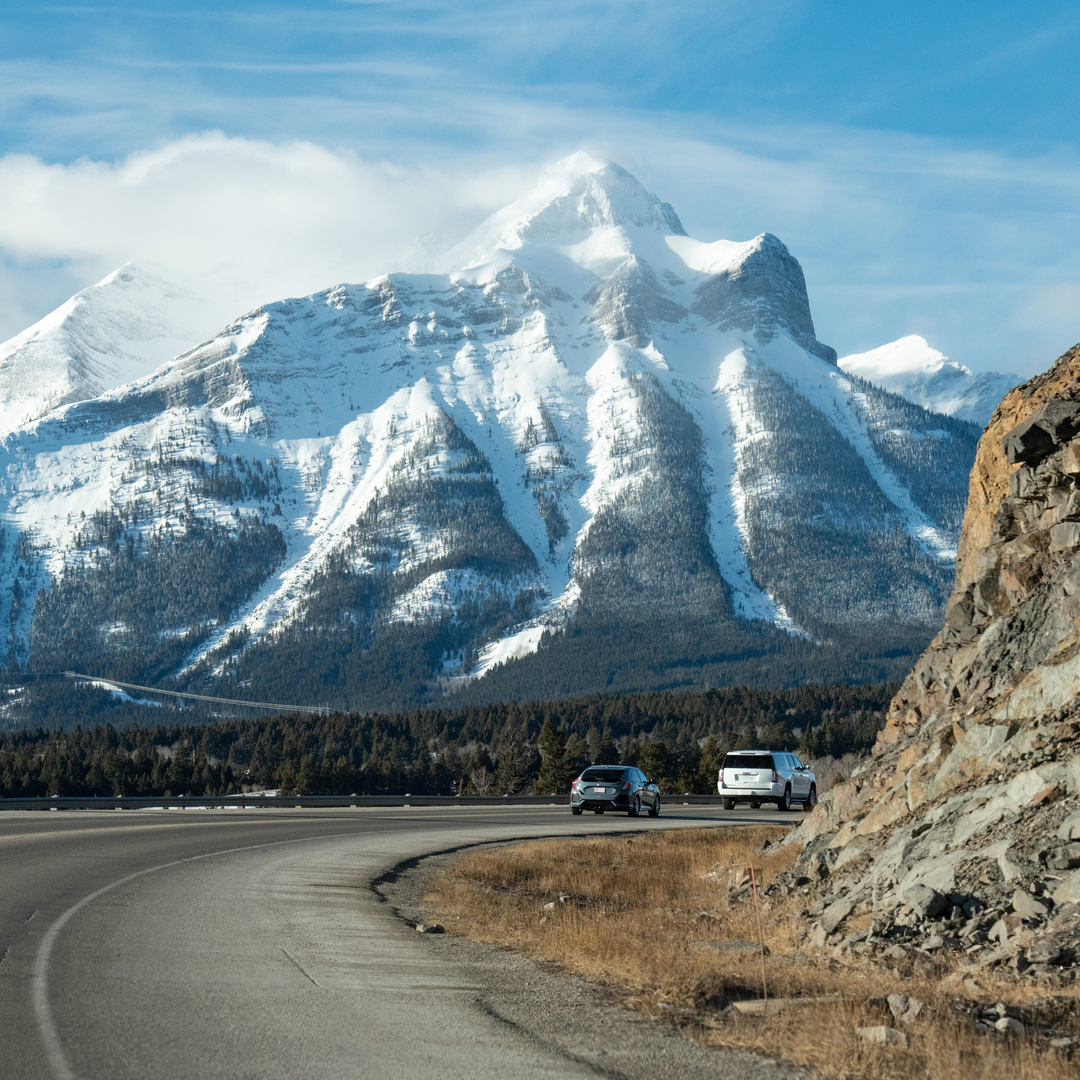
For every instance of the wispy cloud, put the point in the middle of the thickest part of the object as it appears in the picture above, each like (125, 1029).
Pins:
(260, 220)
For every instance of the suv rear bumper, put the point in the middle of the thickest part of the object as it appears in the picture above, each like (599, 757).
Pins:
(773, 791)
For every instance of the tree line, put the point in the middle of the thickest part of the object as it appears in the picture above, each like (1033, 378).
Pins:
(677, 738)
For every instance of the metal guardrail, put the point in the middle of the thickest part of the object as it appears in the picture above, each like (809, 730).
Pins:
(253, 802)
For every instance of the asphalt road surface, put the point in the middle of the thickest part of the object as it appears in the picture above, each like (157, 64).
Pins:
(193, 943)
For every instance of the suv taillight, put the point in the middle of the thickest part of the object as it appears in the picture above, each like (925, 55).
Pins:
(775, 777)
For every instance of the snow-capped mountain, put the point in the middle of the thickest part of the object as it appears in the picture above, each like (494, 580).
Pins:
(112, 333)
(911, 368)
(595, 438)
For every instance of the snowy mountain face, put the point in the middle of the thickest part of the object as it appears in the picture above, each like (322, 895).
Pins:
(911, 368)
(113, 333)
(594, 438)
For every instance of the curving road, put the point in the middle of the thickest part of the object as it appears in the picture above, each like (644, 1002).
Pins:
(175, 944)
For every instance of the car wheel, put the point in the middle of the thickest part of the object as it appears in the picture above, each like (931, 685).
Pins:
(811, 799)
(729, 804)
(635, 807)
(784, 802)
(575, 810)
(655, 811)
(755, 806)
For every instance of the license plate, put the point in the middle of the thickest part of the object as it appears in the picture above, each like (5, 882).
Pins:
(600, 791)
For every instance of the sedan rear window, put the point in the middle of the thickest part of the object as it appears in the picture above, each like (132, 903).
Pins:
(603, 775)
(748, 761)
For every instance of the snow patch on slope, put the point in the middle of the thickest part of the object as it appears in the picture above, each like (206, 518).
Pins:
(730, 531)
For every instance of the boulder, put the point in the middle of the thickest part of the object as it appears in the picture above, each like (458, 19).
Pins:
(880, 1035)
(1066, 857)
(1051, 425)
(1027, 907)
(1070, 827)
(1045, 953)
(904, 1009)
(835, 914)
(1068, 892)
(926, 902)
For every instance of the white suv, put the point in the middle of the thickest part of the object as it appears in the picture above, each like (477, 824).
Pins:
(757, 776)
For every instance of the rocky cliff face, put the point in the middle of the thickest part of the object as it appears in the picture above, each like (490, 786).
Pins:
(964, 831)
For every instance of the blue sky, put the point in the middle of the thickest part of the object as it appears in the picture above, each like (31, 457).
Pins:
(920, 160)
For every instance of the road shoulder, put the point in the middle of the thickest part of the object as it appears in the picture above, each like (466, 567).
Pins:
(580, 1020)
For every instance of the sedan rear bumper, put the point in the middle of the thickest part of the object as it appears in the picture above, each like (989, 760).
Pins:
(593, 802)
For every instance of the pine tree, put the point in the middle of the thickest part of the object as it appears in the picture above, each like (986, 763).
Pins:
(608, 752)
(552, 747)
(515, 757)
(653, 760)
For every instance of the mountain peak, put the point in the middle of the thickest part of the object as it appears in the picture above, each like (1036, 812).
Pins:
(574, 196)
(107, 335)
(915, 370)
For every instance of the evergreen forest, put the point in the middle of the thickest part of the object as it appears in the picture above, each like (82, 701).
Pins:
(678, 737)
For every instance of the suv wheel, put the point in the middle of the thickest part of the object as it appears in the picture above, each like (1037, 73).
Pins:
(811, 799)
(729, 804)
(755, 806)
(784, 802)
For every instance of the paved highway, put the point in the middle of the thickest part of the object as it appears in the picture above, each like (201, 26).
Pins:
(176, 944)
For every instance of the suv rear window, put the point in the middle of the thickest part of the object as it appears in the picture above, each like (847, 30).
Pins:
(603, 775)
(748, 761)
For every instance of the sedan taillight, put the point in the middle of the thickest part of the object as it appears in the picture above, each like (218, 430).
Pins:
(625, 785)
(575, 785)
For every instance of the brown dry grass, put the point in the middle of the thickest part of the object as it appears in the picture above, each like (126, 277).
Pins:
(634, 920)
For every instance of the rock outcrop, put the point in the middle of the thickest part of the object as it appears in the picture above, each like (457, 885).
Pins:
(963, 832)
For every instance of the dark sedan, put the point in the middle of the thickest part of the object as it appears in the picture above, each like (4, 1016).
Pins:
(614, 787)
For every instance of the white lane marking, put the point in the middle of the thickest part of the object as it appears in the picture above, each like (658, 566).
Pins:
(54, 1050)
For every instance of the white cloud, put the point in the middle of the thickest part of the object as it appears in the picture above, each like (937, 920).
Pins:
(261, 220)
(975, 250)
